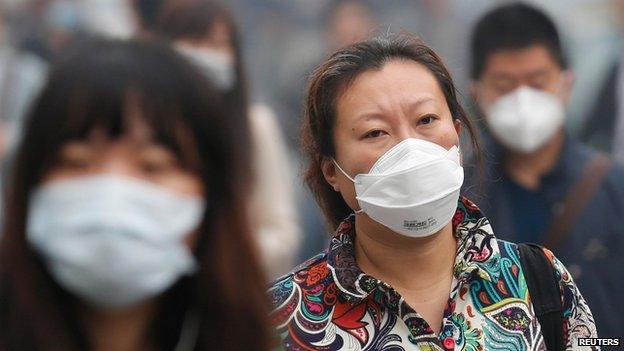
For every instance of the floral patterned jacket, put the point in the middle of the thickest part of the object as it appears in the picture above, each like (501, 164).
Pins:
(328, 303)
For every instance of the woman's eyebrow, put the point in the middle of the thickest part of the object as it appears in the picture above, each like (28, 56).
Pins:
(368, 116)
(417, 102)
(379, 115)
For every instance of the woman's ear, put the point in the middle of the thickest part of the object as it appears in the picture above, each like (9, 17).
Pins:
(329, 172)
(457, 123)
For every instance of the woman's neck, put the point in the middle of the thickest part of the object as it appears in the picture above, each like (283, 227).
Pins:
(121, 330)
(408, 264)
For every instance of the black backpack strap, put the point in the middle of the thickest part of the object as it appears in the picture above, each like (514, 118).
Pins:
(543, 287)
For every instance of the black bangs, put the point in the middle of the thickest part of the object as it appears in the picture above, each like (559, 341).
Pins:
(109, 89)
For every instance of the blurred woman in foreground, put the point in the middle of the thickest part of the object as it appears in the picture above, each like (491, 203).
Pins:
(126, 229)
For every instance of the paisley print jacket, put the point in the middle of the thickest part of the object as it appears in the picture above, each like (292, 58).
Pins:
(328, 303)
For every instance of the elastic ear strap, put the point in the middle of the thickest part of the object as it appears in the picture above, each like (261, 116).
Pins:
(341, 170)
(351, 179)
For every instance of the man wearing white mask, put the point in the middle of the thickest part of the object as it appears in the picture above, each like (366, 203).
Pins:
(540, 184)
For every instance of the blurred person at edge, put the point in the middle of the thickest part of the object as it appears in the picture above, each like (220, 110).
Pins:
(205, 32)
(412, 264)
(62, 23)
(21, 77)
(348, 22)
(344, 22)
(126, 225)
(604, 124)
(46, 27)
(540, 183)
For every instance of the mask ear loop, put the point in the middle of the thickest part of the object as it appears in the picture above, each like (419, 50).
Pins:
(457, 150)
(341, 170)
(346, 175)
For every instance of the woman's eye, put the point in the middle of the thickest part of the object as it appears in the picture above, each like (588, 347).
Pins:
(74, 156)
(427, 119)
(155, 168)
(157, 161)
(374, 134)
(74, 163)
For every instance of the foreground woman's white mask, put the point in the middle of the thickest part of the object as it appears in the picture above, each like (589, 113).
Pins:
(525, 119)
(413, 188)
(113, 241)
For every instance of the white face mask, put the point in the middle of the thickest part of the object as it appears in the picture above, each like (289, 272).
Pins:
(217, 66)
(525, 119)
(113, 241)
(413, 188)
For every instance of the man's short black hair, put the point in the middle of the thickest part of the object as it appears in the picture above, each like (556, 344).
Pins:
(512, 27)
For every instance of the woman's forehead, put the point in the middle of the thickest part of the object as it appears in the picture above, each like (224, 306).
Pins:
(395, 76)
(398, 82)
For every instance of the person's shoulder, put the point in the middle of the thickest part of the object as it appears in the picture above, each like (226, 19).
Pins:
(562, 276)
(561, 272)
(576, 312)
(614, 178)
(263, 121)
(508, 247)
(612, 185)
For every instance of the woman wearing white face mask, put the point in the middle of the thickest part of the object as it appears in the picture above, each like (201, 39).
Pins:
(412, 265)
(126, 225)
(204, 31)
